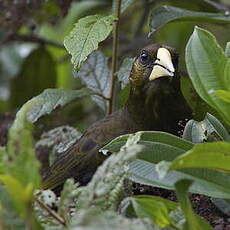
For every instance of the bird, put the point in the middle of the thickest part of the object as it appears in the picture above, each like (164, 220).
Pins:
(155, 103)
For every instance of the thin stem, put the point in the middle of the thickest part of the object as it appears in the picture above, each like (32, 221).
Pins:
(50, 211)
(114, 55)
(31, 38)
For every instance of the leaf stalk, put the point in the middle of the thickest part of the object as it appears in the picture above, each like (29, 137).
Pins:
(114, 54)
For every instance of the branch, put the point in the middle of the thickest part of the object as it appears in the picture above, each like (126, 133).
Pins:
(31, 38)
(50, 211)
(114, 55)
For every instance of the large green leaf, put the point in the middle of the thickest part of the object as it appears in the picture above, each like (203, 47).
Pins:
(86, 35)
(95, 74)
(52, 99)
(206, 155)
(37, 73)
(206, 181)
(149, 139)
(224, 95)
(164, 14)
(159, 146)
(209, 69)
(193, 222)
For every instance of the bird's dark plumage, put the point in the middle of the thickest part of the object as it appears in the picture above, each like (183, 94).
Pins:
(155, 103)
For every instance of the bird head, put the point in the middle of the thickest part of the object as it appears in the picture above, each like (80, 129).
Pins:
(155, 65)
(155, 90)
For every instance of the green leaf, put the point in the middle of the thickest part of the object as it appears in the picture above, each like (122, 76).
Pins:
(227, 50)
(95, 74)
(124, 72)
(51, 99)
(38, 72)
(206, 181)
(210, 129)
(224, 95)
(19, 193)
(8, 214)
(198, 105)
(157, 146)
(222, 204)
(155, 208)
(124, 4)
(206, 155)
(209, 69)
(123, 96)
(193, 222)
(84, 38)
(164, 14)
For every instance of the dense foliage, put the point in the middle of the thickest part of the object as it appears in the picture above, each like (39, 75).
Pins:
(196, 162)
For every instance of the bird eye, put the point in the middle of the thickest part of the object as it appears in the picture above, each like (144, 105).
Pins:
(144, 58)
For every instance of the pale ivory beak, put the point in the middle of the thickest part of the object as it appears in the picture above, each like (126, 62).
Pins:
(163, 66)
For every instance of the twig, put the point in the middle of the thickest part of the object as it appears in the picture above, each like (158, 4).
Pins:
(50, 211)
(31, 38)
(114, 55)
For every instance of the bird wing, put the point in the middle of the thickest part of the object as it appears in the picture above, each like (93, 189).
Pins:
(82, 158)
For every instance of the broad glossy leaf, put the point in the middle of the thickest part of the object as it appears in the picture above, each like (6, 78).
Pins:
(164, 14)
(198, 105)
(37, 73)
(206, 155)
(86, 35)
(224, 95)
(51, 99)
(193, 222)
(95, 74)
(158, 146)
(149, 137)
(210, 129)
(209, 69)
(155, 208)
(206, 181)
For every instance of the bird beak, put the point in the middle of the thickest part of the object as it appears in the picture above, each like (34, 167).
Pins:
(163, 66)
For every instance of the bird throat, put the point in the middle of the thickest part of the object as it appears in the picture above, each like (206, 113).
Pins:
(152, 107)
